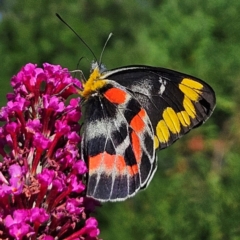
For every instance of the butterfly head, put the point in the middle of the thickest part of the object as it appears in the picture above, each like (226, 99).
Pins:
(96, 65)
(94, 82)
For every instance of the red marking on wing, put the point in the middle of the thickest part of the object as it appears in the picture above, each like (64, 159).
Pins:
(110, 163)
(136, 147)
(107, 162)
(120, 163)
(137, 123)
(132, 170)
(116, 95)
(94, 163)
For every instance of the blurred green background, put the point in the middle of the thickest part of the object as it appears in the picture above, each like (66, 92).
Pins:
(195, 193)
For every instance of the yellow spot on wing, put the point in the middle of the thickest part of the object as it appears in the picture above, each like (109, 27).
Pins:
(92, 84)
(184, 118)
(156, 142)
(192, 83)
(171, 119)
(189, 107)
(162, 131)
(191, 88)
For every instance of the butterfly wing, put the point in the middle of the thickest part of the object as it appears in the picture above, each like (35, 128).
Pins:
(131, 112)
(117, 144)
(175, 102)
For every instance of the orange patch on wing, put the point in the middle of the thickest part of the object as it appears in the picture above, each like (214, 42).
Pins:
(136, 147)
(108, 163)
(120, 164)
(116, 95)
(132, 170)
(137, 122)
(94, 163)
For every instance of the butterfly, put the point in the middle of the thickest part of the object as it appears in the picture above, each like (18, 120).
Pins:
(130, 113)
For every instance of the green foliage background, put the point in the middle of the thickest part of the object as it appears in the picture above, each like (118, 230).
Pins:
(195, 193)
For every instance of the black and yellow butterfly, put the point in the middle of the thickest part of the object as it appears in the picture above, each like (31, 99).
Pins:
(130, 112)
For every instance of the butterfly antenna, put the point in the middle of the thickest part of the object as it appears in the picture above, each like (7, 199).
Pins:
(77, 36)
(100, 60)
(78, 63)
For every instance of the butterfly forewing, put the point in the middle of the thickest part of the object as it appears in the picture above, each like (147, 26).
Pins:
(175, 102)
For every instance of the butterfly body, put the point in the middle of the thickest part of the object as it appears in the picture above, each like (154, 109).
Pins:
(130, 113)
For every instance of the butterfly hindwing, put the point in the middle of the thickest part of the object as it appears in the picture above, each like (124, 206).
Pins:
(118, 144)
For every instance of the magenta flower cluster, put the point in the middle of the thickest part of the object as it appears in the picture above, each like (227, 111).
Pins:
(41, 172)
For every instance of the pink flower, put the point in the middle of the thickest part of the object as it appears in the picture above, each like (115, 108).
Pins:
(41, 176)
